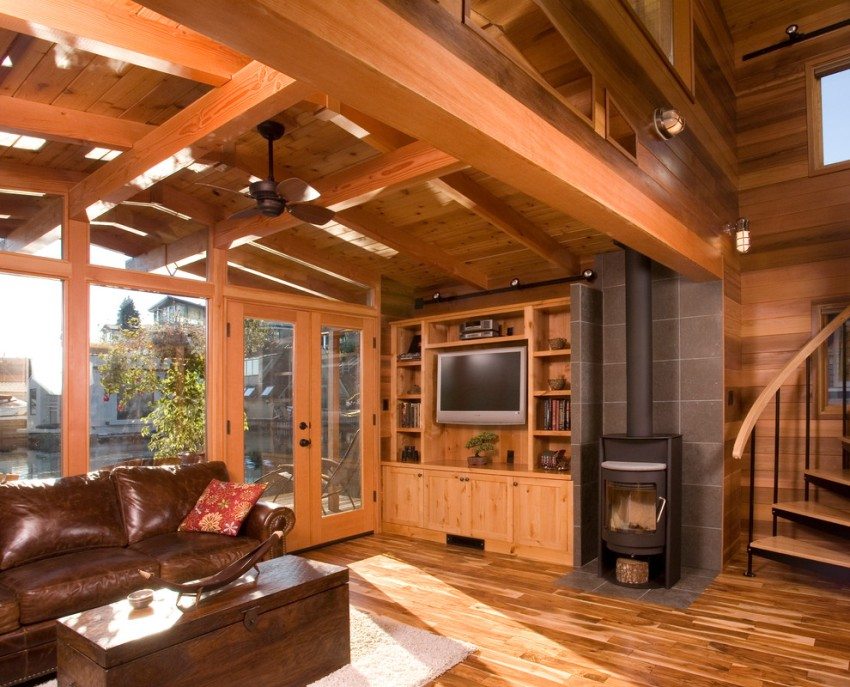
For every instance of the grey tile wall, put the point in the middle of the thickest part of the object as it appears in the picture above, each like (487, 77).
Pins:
(587, 381)
(687, 346)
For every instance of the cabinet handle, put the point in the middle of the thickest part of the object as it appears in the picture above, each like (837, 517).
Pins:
(419, 474)
(516, 484)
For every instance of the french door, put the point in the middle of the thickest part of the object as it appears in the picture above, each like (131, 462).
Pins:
(300, 403)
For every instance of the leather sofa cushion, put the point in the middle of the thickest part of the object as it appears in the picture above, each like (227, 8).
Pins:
(73, 582)
(8, 610)
(42, 518)
(184, 556)
(154, 500)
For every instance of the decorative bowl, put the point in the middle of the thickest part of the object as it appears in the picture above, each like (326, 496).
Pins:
(558, 384)
(557, 343)
(141, 598)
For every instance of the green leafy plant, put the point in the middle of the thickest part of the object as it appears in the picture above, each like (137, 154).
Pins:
(484, 441)
(168, 361)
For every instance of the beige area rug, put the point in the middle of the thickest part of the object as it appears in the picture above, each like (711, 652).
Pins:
(386, 653)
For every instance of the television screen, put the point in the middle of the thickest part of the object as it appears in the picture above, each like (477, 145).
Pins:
(486, 386)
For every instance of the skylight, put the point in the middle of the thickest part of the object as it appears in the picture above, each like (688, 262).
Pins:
(11, 140)
(7, 62)
(104, 154)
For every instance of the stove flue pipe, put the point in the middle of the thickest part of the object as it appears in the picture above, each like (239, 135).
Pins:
(638, 344)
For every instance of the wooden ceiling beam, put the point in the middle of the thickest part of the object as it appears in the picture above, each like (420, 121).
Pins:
(463, 97)
(113, 30)
(185, 250)
(293, 274)
(301, 251)
(497, 212)
(39, 231)
(70, 126)
(413, 249)
(41, 179)
(357, 184)
(375, 133)
(165, 196)
(254, 94)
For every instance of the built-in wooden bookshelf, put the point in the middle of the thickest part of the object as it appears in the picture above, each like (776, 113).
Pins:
(512, 504)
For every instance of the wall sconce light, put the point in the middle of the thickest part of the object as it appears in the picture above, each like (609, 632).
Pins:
(668, 122)
(741, 230)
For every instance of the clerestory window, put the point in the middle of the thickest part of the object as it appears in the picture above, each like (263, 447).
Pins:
(829, 126)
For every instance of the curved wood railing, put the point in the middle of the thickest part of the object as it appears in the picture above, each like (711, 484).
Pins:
(770, 390)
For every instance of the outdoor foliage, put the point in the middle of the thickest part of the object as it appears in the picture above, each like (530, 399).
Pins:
(167, 360)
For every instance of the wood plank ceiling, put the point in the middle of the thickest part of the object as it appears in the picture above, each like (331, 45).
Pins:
(91, 73)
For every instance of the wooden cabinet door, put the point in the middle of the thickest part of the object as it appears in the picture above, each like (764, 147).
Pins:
(403, 495)
(447, 502)
(543, 513)
(490, 507)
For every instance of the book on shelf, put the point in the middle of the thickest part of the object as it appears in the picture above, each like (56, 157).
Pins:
(555, 414)
(408, 414)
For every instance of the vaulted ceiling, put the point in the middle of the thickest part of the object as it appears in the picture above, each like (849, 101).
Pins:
(181, 108)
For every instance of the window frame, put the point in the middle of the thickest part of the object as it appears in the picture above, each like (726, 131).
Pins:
(821, 311)
(815, 71)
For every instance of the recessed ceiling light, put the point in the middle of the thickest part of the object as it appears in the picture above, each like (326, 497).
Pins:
(29, 143)
(7, 62)
(105, 154)
(18, 192)
(21, 142)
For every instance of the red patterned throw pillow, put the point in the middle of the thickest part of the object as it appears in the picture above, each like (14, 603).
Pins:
(222, 508)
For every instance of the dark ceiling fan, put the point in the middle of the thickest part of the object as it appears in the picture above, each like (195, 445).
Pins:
(290, 195)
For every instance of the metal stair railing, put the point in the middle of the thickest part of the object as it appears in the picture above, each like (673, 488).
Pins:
(771, 391)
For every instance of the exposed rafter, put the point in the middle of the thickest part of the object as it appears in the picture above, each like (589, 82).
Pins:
(497, 212)
(414, 249)
(435, 93)
(398, 169)
(113, 30)
(40, 230)
(35, 178)
(255, 93)
(71, 126)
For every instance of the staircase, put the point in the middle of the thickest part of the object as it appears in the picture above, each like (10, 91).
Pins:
(821, 532)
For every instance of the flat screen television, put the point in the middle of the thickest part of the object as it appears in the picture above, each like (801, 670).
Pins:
(482, 386)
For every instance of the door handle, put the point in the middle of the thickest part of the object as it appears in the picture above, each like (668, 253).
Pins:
(660, 510)
(304, 442)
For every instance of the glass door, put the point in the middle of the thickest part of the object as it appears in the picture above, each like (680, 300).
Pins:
(343, 486)
(295, 416)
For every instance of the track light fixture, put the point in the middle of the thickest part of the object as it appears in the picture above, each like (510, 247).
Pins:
(741, 230)
(668, 122)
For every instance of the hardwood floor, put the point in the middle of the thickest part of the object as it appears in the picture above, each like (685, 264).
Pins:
(779, 628)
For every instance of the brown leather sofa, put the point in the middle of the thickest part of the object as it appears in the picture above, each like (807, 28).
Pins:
(78, 542)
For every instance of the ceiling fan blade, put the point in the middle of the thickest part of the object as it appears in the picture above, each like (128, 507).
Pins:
(222, 188)
(294, 190)
(312, 214)
(247, 212)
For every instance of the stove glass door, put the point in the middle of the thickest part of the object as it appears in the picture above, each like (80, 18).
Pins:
(631, 507)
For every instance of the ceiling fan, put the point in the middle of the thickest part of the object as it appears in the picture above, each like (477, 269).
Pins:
(290, 195)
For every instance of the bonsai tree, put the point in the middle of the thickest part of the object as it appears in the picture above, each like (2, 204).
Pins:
(485, 441)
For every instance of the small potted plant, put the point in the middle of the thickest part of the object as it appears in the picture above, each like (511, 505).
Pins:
(484, 442)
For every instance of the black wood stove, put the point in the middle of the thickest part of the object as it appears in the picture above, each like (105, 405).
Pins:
(640, 481)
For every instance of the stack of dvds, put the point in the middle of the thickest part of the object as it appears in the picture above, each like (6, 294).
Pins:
(408, 414)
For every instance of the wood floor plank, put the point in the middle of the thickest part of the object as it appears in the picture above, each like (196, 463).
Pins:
(781, 628)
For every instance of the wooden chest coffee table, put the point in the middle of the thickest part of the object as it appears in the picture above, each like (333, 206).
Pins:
(290, 627)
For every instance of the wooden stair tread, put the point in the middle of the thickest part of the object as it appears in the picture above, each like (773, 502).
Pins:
(821, 553)
(837, 476)
(818, 511)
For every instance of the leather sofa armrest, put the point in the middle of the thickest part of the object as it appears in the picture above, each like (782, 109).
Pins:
(267, 517)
